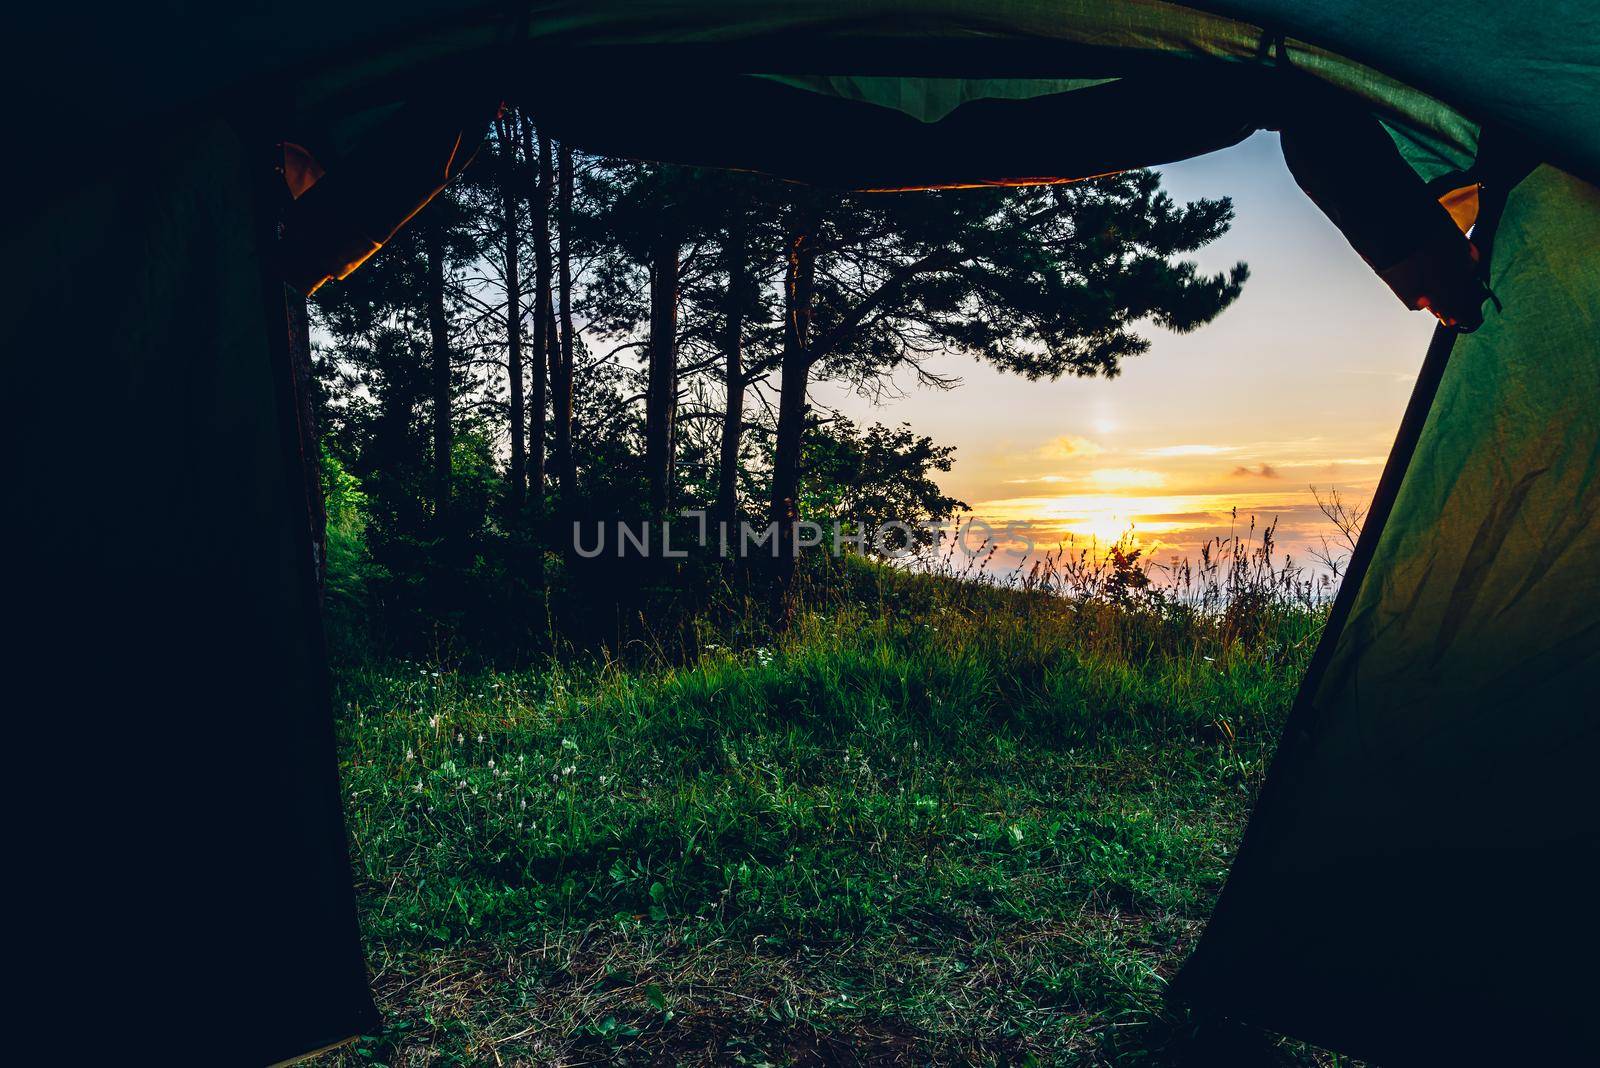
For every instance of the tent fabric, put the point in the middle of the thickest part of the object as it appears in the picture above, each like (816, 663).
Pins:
(1528, 70)
(1116, 125)
(932, 99)
(1528, 67)
(877, 53)
(194, 867)
(181, 883)
(1429, 818)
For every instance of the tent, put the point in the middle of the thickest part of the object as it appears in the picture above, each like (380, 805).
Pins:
(1411, 886)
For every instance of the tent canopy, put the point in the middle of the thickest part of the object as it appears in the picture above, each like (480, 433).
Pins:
(1529, 68)
(1430, 772)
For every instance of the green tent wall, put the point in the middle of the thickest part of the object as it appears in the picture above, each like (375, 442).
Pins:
(1414, 877)
(1404, 887)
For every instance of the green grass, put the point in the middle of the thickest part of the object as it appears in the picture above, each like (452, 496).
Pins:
(935, 823)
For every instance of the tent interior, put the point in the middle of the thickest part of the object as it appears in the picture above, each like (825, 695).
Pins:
(1432, 782)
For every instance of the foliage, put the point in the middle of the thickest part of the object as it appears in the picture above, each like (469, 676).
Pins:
(349, 572)
(1040, 281)
(878, 480)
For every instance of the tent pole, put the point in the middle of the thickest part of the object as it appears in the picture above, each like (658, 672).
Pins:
(1394, 471)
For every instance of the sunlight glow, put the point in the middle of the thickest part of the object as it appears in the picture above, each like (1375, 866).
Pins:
(1171, 523)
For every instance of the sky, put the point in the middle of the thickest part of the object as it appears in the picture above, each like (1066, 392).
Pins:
(1300, 383)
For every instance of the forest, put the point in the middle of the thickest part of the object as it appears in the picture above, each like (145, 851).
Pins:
(563, 342)
(788, 803)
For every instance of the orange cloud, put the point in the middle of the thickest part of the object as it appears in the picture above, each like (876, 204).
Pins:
(1068, 446)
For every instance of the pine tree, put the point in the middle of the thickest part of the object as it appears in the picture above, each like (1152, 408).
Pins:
(1042, 282)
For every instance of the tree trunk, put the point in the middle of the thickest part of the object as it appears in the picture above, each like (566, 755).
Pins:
(540, 211)
(561, 376)
(306, 421)
(727, 505)
(799, 275)
(517, 415)
(439, 329)
(661, 394)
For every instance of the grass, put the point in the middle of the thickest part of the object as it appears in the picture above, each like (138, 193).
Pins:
(935, 822)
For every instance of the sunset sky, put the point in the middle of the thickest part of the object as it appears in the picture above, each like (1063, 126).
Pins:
(1301, 382)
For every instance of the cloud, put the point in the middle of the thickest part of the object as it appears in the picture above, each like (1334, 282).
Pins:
(1190, 450)
(1393, 376)
(1068, 446)
(1339, 461)
(1182, 519)
(1259, 471)
(1127, 478)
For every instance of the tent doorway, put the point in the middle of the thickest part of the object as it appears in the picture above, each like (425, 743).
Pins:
(1432, 762)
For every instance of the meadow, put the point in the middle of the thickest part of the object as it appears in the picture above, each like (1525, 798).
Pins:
(936, 820)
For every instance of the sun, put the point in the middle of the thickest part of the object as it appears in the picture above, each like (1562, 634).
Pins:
(1105, 524)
